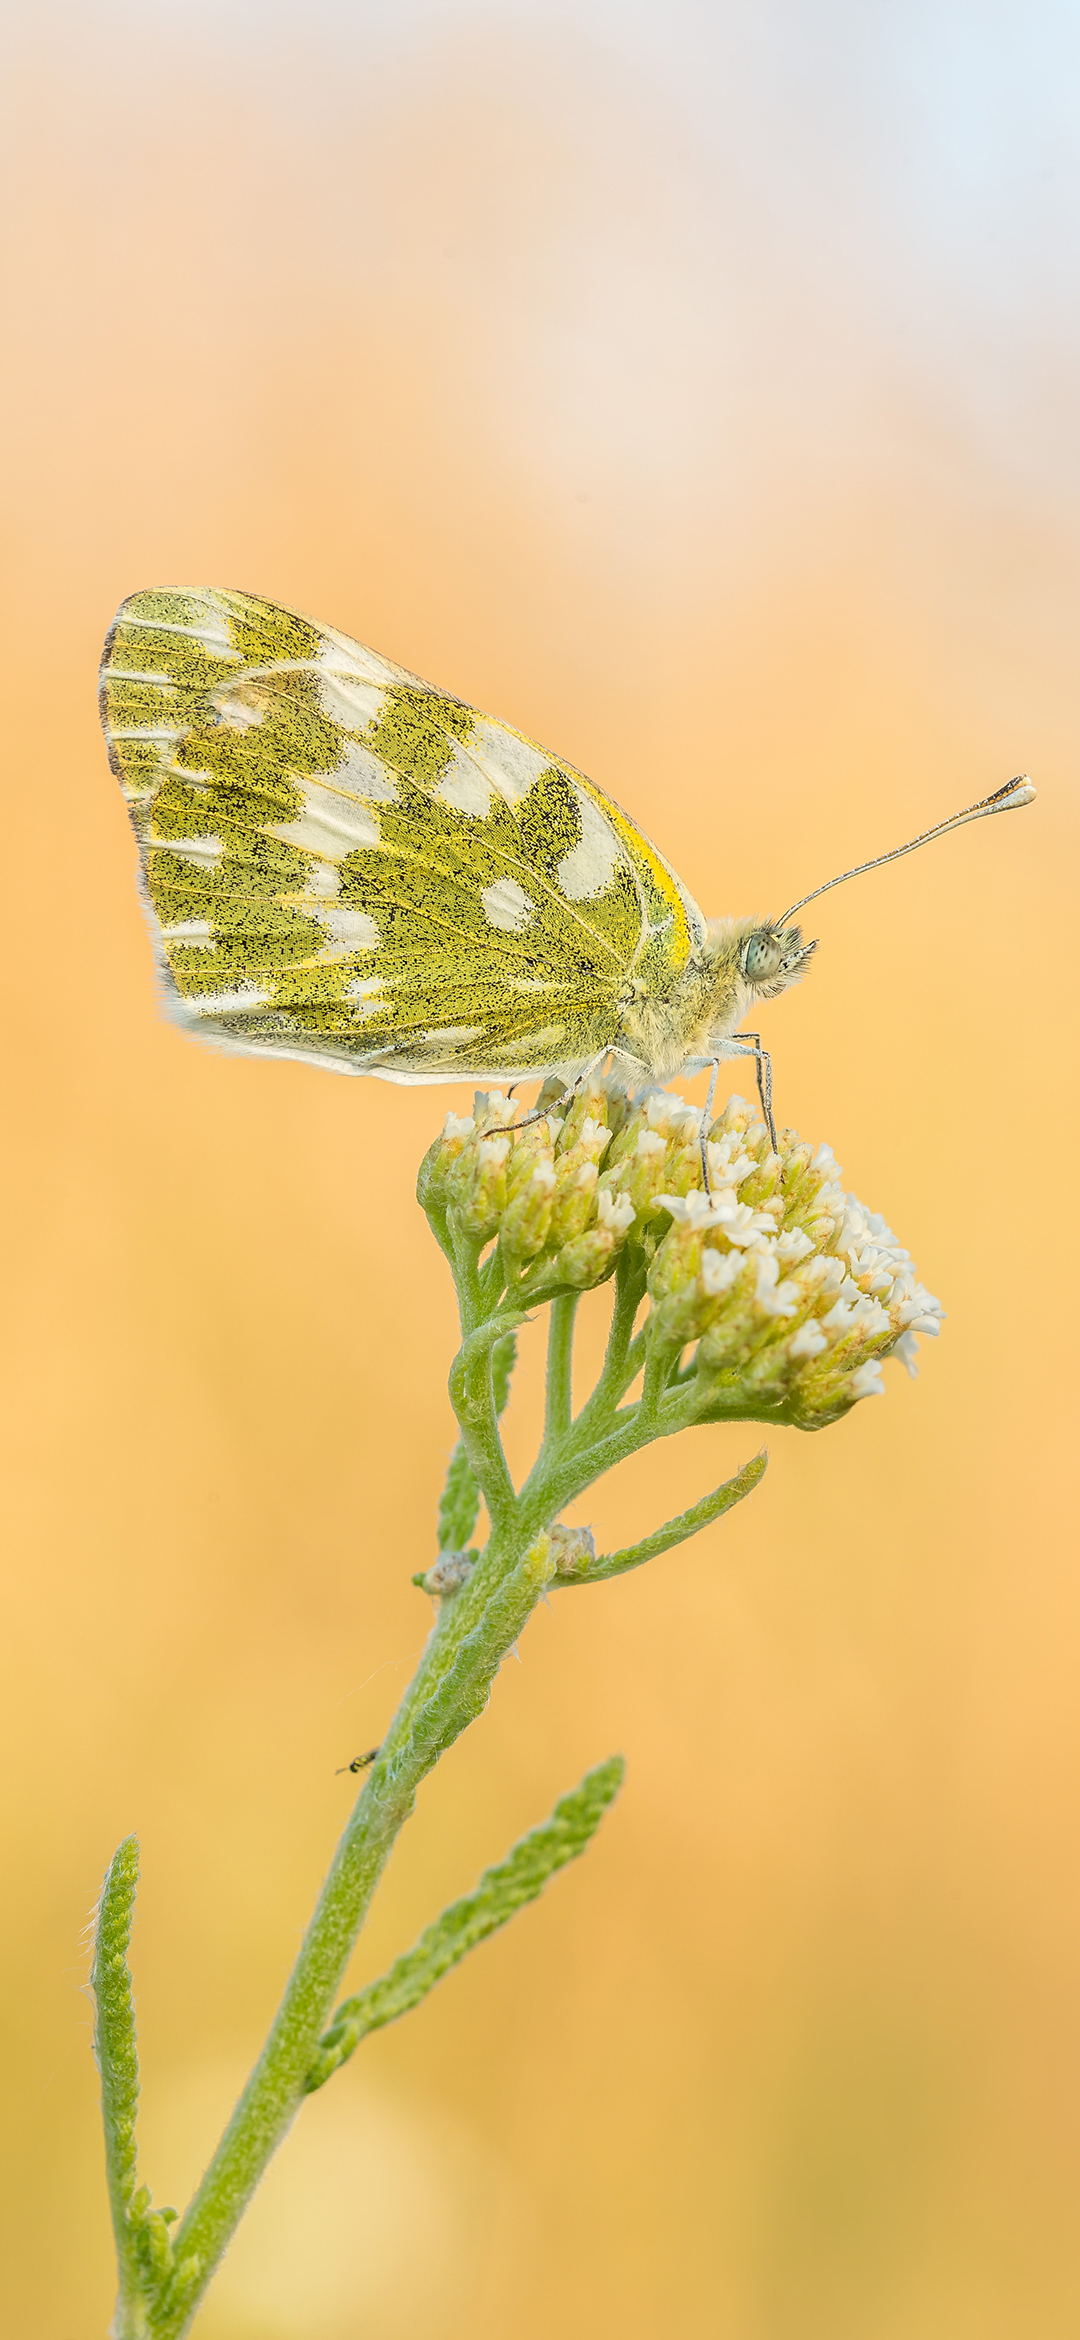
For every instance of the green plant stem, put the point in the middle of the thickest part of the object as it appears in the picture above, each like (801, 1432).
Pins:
(595, 1445)
(473, 1633)
(472, 1395)
(560, 1359)
(623, 1357)
(477, 1622)
(474, 1630)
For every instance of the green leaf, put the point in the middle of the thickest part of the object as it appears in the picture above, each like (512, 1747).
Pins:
(503, 1361)
(688, 1523)
(459, 1503)
(114, 2044)
(501, 1891)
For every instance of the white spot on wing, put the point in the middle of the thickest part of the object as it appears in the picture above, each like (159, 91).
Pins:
(507, 906)
(464, 788)
(352, 701)
(349, 930)
(144, 731)
(323, 881)
(364, 774)
(366, 992)
(346, 663)
(509, 763)
(190, 930)
(216, 637)
(592, 864)
(454, 1033)
(228, 1003)
(330, 825)
(238, 711)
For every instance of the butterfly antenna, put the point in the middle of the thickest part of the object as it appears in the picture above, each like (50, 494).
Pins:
(1018, 791)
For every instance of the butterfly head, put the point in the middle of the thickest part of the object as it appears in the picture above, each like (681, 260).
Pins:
(771, 957)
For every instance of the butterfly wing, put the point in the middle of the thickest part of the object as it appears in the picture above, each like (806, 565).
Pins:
(345, 865)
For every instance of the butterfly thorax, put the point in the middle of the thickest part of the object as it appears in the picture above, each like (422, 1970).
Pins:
(741, 961)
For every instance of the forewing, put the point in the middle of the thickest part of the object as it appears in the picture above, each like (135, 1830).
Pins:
(343, 864)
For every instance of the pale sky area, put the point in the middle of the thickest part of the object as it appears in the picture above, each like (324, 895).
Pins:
(855, 189)
(908, 175)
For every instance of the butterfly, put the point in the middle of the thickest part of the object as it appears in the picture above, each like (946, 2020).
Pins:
(345, 865)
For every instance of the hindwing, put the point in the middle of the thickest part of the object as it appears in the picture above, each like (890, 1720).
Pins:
(346, 865)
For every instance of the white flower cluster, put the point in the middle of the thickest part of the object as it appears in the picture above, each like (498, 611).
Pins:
(787, 1290)
(785, 1281)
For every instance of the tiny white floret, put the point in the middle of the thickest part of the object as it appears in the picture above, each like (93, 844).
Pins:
(808, 1341)
(718, 1271)
(615, 1212)
(905, 1350)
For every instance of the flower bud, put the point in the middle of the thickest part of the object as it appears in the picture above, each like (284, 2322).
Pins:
(587, 1259)
(573, 1550)
(575, 1198)
(640, 1173)
(433, 1179)
(478, 1185)
(589, 1105)
(526, 1220)
(533, 1144)
(447, 1574)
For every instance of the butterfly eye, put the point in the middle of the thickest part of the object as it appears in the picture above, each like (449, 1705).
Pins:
(762, 955)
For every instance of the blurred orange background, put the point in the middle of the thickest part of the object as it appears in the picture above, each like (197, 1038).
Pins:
(695, 388)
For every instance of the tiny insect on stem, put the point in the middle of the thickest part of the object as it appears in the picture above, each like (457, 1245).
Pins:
(359, 1762)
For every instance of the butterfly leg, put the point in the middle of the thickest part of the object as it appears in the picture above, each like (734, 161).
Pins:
(569, 1093)
(706, 1123)
(763, 1069)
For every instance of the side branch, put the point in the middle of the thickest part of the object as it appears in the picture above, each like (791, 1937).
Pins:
(677, 1531)
(475, 1400)
(501, 1891)
(118, 2064)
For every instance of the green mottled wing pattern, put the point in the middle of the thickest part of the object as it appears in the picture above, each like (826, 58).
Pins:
(345, 865)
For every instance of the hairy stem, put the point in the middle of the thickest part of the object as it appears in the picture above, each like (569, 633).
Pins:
(560, 1360)
(624, 1353)
(450, 1687)
(475, 1401)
